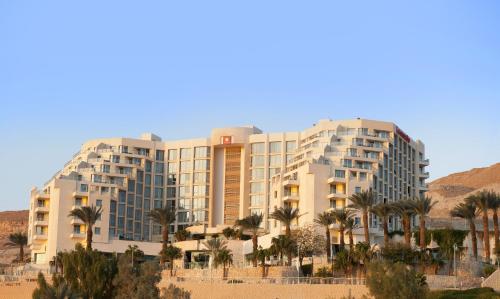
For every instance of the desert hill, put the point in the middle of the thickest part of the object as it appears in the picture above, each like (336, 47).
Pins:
(11, 222)
(452, 189)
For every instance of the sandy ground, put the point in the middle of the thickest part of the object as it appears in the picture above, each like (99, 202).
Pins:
(225, 291)
(13, 292)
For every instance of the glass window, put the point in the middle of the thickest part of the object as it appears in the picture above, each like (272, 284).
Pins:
(258, 161)
(362, 176)
(185, 179)
(184, 191)
(172, 167)
(291, 146)
(256, 200)
(159, 167)
(185, 203)
(76, 228)
(201, 164)
(171, 192)
(200, 190)
(98, 202)
(84, 188)
(201, 152)
(172, 154)
(158, 180)
(258, 148)
(184, 216)
(257, 187)
(200, 216)
(200, 203)
(122, 196)
(340, 173)
(160, 155)
(112, 206)
(186, 153)
(158, 193)
(256, 211)
(201, 178)
(258, 173)
(275, 160)
(186, 166)
(274, 147)
(148, 166)
(172, 179)
(357, 190)
(78, 202)
(147, 179)
(97, 230)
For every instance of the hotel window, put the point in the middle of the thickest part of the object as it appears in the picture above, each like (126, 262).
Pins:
(76, 229)
(362, 176)
(347, 163)
(115, 159)
(275, 160)
(258, 148)
(258, 161)
(172, 168)
(131, 185)
(171, 192)
(256, 212)
(105, 168)
(186, 153)
(186, 166)
(148, 166)
(201, 164)
(201, 152)
(185, 179)
(200, 203)
(158, 193)
(258, 174)
(159, 167)
(97, 230)
(171, 204)
(274, 147)
(357, 189)
(257, 187)
(201, 178)
(200, 216)
(291, 146)
(172, 179)
(78, 202)
(184, 191)
(98, 202)
(256, 200)
(200, 190)
(84, 188)
(172, 154)
(160, 155)
(184, 216)
(112, 206)
(340, 173)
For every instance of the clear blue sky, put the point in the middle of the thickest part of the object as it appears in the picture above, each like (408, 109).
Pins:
(76, 70)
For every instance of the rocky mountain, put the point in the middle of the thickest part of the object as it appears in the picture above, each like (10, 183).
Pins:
(11, 222)
(452, 189)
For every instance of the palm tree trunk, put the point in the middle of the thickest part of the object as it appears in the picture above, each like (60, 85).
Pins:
(422, 232)
(367, 232)
(328, 244)
(486, 236)
(495, 227)
(89, 237)
(473, 237)
(254, 241)
(172, 268)
(164, 235)
(351, 241)
(21, 253)
(406, 228)
(288, 231)
(341, 241)
(386, 232)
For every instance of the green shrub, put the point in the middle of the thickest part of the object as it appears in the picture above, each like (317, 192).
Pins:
(478, 293)
(488, 270)
(395, 281)
(324, 272)
(307, 269)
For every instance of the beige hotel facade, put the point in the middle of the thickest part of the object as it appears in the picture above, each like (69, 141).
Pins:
(211, 182)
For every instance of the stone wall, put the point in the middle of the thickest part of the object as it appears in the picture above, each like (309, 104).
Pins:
(236, 272)
(437, 282)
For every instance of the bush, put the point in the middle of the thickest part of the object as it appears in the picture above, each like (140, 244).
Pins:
(324, 272)
(307, 270)
(233, 281)
(478, 293)
(399, 253)
(173, 292)
(488, 270)
(395, 281)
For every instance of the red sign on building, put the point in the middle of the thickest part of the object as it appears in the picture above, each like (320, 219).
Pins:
(402, 134)
(226, 139)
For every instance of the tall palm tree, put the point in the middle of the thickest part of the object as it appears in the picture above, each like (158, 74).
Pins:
(350, 225)
(89, 216)
(285, 215)
(363, 202)
(215, 245)
(282, 244)
(342, 216)
(169, 254)
(405, 209)
(19, 239)
(384, 211)
(164, 217)
(494, 204)
(252, 223)
(224, 257)
(469, 212)
(422, 206)
(480, 200)
(326, 219)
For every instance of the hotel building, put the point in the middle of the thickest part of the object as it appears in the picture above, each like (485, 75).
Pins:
(211, 182)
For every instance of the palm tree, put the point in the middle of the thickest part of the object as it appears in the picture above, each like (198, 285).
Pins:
(181, 235)
(494, 204)
(404, 209)
(326, 219)
(164, 217)
(350, 225)
(384, 211)
(422, 206)
(280, 245)
(362, 202)
(215, 245)
(19, 239)
(469, 212)
(89, 216)
(252, 223)
(286, 215)
(229, 232)
(480, 200)
(342, 216)
(169, 254)
(224, 257)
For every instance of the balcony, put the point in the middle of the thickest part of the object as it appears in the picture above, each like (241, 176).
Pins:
(41, 209)
(41, 223)
(424, 187)
(79, 235)
(291, 197)
(424, 174)
(291, 182)
(335, 179)
(336, 194)
(80, 193)
(76, 221)
(42, 196)
(39, 237)
(424, 162)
